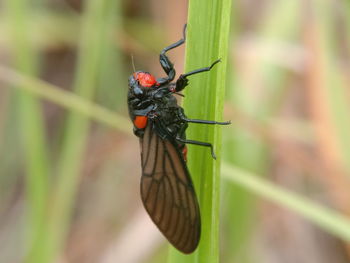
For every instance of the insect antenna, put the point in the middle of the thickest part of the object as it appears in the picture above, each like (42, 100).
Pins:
(132, 62)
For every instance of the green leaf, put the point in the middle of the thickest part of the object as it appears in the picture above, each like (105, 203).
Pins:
(207, 40)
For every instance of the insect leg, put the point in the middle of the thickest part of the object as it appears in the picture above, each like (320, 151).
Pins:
(182, 117)
(166, 64)
(206, 144)
(182, 81)
(206, 121)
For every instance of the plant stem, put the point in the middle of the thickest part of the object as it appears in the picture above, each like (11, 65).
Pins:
(207, 41)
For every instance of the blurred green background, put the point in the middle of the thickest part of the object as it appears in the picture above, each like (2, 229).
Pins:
(70, 170)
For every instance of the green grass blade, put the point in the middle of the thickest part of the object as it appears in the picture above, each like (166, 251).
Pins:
(207, 41)
(31, 128)
(73, 144)
(327, 219)
(112, 68)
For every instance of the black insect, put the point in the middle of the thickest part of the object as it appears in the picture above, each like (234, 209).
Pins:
(167, 190)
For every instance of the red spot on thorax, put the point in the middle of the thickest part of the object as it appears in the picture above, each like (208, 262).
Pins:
(145, 79)
(184, 153)
(140, 122)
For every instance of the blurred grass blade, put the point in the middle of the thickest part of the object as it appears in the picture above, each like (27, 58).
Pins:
(328, 87)
(258, 90)
(328, 100)
(65, 99)
(73, 144)
(329, 220)
(207, 40)
(31, 128)
(111, 93)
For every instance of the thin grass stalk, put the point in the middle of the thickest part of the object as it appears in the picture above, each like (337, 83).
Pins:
(65, 99)
(207, 40)
(110, 92)
(328, 99)
(76, 132)
(32, 129)
(327, 219)
(237, 203)
(335, 84)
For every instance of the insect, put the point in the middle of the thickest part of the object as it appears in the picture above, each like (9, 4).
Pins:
(167, 190)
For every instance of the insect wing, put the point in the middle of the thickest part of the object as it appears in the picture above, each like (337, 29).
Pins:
(167, 191)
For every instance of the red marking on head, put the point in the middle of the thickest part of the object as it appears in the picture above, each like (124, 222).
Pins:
(145, 79)
(184, 153)
(140, 122)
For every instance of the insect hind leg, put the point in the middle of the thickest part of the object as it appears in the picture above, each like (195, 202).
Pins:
(206, 144)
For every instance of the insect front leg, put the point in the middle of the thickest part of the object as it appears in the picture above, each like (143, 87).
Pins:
(181, 115)
(206, 121)
(165, 62)
(182, 81)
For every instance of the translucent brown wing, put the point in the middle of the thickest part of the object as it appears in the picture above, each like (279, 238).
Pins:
(167, 192)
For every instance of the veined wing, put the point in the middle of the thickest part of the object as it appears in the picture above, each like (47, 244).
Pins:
(167, 191)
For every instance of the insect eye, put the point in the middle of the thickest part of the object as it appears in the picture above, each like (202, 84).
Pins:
(132, 81)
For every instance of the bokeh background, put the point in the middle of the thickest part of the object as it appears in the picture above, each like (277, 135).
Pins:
(287, 96)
